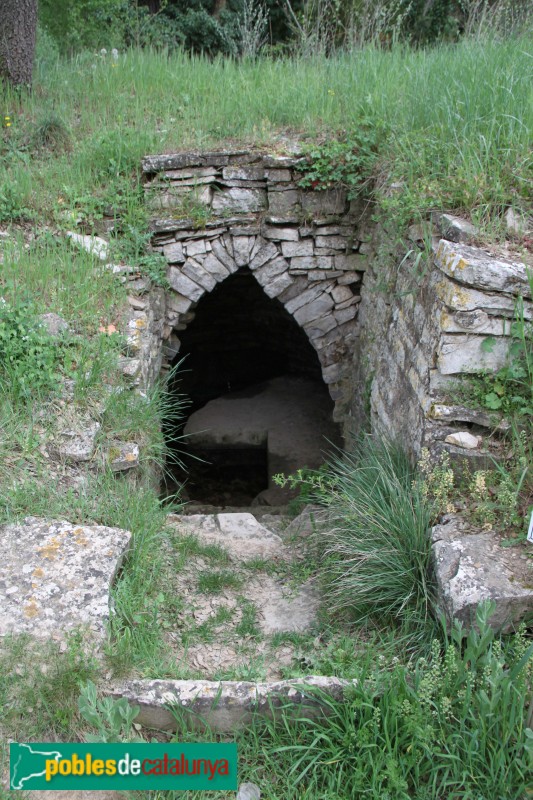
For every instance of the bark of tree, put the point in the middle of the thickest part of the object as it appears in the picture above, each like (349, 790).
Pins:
(18, 25)
(219, 7)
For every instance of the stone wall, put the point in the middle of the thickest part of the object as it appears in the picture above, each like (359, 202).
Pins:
(420, 340)
(304, 248)
(393, 334)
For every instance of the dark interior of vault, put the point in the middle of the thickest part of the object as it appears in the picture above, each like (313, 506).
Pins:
(239, 340)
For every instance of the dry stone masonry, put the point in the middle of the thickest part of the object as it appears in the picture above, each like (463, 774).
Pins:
(423, 344)
(378, 334)
(303, 248)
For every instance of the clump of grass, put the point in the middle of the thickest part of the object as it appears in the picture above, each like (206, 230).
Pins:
(248, 624)
(51, 133)
(189, 546)
(377, 548)
(215, 581)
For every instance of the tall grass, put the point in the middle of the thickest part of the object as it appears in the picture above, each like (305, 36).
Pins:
(377, 547)
(459, 117)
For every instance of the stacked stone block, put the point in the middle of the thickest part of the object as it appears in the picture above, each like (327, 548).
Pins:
(455, 326)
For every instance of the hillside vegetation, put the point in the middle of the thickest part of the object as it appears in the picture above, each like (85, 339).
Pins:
(435, 714)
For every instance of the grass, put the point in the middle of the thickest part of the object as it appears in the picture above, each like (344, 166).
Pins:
(376, 552)
(39, 686)
(458, 117)
(215, 581)
(188, 546)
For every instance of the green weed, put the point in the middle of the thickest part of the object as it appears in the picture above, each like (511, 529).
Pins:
(377, 545)
(346, 162)
(215, 581)
(112, 719)
(248, 624)
(30, 358)
(39, 686)
(190, 546)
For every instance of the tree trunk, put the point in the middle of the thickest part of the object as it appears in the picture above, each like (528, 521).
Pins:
(219, 6)
(18, 24)
(154, 6)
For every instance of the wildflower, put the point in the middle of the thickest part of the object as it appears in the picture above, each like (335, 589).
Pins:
(331, 91)
(479, 486)
(114, 54)
(103, 52)
(7, 121)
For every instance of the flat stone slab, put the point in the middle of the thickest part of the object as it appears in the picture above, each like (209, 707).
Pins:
(471, 566)
(241, 535)
(473, 267)
(55, 576)
(225, 706)
(280, 612)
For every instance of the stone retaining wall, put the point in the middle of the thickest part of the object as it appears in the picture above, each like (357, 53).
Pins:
(391, 346)
(417, 345)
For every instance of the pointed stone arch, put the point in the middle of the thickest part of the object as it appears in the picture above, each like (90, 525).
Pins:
(325, 310)
(302, 247)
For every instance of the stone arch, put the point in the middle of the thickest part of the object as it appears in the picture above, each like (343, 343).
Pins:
(307, 249)
(323, 308)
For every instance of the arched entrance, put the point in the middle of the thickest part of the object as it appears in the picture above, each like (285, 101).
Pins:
(258, 406)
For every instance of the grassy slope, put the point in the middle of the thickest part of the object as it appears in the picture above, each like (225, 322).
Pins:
(459, 121)
(459, 118)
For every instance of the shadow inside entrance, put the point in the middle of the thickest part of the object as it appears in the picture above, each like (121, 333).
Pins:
(258, 405)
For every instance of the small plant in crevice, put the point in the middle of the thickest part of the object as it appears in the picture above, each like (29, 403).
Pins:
(344, 163)
(500, 497)
(132, 245)
(437, 483)
(510, 389)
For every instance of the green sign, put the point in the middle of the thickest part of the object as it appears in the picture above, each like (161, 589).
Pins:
(53, 765)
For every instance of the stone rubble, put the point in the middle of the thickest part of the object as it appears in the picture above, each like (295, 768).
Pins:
(94, 245)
